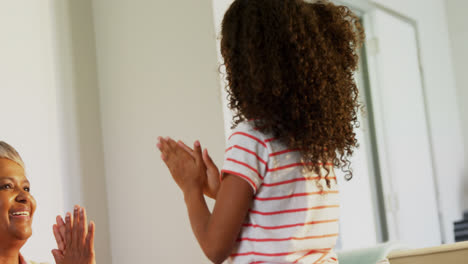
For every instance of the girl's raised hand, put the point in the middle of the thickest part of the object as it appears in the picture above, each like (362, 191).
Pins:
(212, 172)
(75, 239)
(187, 170)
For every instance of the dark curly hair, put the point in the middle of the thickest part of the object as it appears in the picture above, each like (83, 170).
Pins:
(289, 67)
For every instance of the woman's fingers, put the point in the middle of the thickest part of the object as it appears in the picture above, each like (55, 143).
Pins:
(90, 237)
(82, 226)
(61, 226)
(61, 231)
(58, 256)
(68, 229)
(84, 221)
(76, 226)
(58, 237)
(76, 244)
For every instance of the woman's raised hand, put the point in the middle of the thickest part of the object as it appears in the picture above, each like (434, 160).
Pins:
(75, 239)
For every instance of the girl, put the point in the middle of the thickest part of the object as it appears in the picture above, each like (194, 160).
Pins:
(289, 68)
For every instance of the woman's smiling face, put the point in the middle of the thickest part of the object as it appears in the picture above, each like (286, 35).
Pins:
(17, 205)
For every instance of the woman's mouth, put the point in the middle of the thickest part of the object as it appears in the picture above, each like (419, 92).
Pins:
(20, 215)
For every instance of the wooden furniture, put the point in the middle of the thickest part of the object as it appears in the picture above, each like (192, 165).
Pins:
(446, 254)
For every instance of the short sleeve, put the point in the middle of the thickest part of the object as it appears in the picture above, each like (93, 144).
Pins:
(246, 156)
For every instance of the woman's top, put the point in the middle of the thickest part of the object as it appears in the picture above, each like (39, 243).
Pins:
(23, 261)
(294, 214)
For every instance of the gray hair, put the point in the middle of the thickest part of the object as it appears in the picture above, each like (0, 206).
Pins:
(8, 152)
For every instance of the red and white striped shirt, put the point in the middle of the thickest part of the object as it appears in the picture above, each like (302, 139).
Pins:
(294, 215)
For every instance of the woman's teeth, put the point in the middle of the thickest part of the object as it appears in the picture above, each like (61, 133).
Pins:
(20, 213)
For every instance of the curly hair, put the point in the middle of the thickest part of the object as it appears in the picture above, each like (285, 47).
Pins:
(289, 67)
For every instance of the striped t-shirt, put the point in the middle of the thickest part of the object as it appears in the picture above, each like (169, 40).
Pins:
(294, 215)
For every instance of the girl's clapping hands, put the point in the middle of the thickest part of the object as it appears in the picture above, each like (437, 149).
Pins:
(187, 169)
(212, 172)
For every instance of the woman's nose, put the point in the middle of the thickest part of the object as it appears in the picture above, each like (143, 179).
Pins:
(22, 196)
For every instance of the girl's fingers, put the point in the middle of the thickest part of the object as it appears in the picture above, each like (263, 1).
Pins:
(176, 150)
(68, 230)
(162, 145)
(90, 237)
(186, 148)
(208, 161)
(198, 152)
(158, 144)
(166, 146)
(58, 237)
(172, 144)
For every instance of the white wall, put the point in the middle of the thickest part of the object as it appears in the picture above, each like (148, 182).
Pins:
(458, 29)
(157, 71)
(83, 155)
(50, 113)
(219, 8)
(29, 111)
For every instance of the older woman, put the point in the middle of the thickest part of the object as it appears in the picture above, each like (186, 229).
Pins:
(74, 238)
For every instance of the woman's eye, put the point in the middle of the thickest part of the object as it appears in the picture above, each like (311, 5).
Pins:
(7, 186)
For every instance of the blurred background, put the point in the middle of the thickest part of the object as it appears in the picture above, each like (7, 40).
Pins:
(88, 85)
